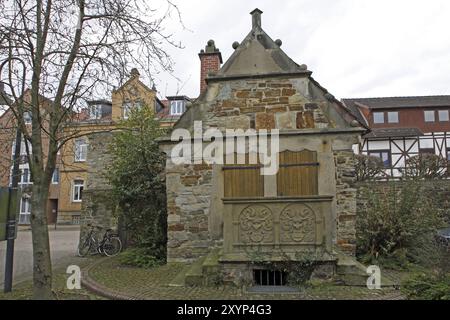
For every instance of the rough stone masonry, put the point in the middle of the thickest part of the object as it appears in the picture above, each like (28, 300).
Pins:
(260, 87)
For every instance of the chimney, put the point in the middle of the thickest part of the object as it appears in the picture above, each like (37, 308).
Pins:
(256, 19)
(210, 61)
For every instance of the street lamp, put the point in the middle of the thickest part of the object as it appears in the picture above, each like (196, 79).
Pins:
(11, 226)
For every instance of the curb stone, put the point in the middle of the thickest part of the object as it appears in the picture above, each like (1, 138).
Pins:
(92, 286)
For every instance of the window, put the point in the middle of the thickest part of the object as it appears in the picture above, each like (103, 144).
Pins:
(55, 176)
(80, 150)
(243, 180)
(384, 155)
(393, 117)
(23, 149)
(429, 116)
(177, 107)
(443, 115)
(78, 186)
(25, 211)
(378, 117)
(127, 107)
(25, 205)
(95, 112)
(25, 176)
(27, 117)
(298, 174)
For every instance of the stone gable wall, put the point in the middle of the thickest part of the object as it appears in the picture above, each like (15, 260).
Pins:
(268, 104)
(194, 192)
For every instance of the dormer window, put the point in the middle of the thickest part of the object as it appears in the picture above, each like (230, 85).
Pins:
(128, 106)
(95, 112)
(177, 107)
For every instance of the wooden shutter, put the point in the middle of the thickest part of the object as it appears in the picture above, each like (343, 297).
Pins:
(298, 174)
(243, 180)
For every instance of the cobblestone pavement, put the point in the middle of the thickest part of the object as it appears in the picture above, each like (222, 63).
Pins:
(135, 283)
(63, 244)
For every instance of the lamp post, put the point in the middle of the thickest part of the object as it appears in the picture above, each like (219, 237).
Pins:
(11, 225)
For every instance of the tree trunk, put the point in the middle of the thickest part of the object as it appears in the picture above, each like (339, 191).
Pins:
(42, 267)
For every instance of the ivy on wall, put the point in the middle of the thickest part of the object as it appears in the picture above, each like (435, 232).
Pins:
(136, 174)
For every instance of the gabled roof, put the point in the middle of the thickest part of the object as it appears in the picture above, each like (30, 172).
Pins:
(257, 55)
(134, 75)
(400, 102)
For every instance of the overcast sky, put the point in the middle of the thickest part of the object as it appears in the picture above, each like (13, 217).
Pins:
(355, 48)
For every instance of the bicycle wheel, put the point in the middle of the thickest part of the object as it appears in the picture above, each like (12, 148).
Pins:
(112, 246)
(85, 247)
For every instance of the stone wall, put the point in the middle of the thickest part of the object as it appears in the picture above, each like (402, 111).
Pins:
(188, 204)
(194, 192)
(268, 104)
(97, 207)
(346, 194)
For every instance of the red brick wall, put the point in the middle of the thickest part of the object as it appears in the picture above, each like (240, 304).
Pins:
(208, 62)
(413, 118)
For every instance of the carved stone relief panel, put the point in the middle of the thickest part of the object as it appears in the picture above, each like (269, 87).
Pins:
(297, 224)
(256, 225)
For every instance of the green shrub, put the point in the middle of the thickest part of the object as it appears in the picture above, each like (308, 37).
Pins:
(427, 286)
(139, 257)
(396, 220)
(136, 174)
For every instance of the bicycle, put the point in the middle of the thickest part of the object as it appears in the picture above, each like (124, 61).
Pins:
(110, 245)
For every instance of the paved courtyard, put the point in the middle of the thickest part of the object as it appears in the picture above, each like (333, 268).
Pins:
(63, 244)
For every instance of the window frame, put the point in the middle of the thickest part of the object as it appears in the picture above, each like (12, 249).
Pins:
(95, 112)
(379, 113)
(372, 153)
(57, 175)
(27, 205)
(433, 112)
(80, 186)
(128, 106)
(177, 107)
(25, 179)
(396, 113)
(78, 152)
(446, 112)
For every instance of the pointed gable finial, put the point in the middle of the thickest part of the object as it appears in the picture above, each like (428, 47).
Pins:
(256, 18)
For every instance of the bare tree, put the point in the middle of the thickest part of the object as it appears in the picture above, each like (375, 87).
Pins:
(72, 50)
